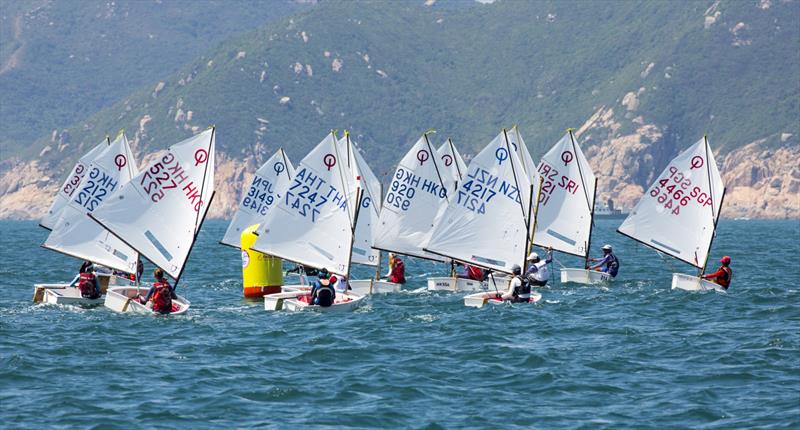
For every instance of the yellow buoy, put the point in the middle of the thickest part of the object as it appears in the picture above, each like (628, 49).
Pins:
(261, 273)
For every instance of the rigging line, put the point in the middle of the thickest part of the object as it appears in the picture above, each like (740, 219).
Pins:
(438, 175)
(455, 160)
(516, 182)
(580, 171)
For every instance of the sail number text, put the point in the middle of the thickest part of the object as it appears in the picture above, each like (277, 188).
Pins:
(404, 188)
(551, 181)
(676, 190)
(93, 191)
(309, 192)
(74, 179)
(481, 187)
(260, 196)
(166, 175)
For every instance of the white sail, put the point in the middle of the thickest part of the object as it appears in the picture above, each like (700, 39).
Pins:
(486, 222)
(677, 214)
(528, 165)
(452, 165)
(265, 190)
(369, 213)
(412, 202)
(564, 218)
(78, 235)
(311, 224)
(159, 212)
(70, 185)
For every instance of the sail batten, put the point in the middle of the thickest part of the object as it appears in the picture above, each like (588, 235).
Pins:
(677, 214)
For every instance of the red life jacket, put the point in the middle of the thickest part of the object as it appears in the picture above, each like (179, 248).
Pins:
(475, 273)
(725, 281)
(398, 275)
(162, 298)
(86, 285)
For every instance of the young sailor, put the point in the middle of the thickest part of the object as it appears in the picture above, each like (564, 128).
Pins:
(538, 273)
(322, 293)
(609, 260)
(397, 270)
(161, 293)
(472, 272)
(340, 285)
(87, 282)
(519, 289)
(723, 275)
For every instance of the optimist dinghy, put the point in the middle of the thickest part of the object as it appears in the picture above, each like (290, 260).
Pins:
(127, 299)
(315, 223)
(479, 300)
(488, 222)
(566, 208)
(160, 212)
(678, 215)
(76, 235)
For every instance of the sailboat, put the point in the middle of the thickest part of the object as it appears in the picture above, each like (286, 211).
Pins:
(488, 222)
(70, 185)
(564, 220)
(314, 224)
(159, 214)
(678, 214)
(265, 190)
(367, 225)
(76, 235)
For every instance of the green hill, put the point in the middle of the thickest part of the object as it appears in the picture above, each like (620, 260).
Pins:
(61, 61)
(390, 70)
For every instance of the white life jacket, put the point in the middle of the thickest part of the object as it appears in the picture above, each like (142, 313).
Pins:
(542, 273)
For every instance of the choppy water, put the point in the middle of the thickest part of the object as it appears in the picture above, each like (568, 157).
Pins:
(633, 355)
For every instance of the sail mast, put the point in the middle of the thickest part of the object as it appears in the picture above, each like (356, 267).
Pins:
(591, 226)
(516, 181)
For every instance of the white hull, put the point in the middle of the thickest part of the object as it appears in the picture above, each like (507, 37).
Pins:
(289, 301)
(363, 287)
(463, 285)
(479, 300)
(63, 294)
(121, 299)
(583, 276)
(686, 282)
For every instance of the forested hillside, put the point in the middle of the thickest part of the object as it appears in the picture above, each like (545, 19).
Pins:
(640, 79)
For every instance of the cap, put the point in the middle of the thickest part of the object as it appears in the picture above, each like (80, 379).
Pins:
(606, 247)
(516, 269)
(332, 279)
(533, 256)
(725, 260)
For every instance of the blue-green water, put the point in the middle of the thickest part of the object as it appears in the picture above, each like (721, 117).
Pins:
(633, 355)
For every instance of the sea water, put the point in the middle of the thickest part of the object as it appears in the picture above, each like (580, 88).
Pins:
(630, 354)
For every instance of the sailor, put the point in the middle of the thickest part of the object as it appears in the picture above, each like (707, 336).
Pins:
(161, 293)
(723, 275)
(397, 270)
(87, 282)
(472, 272)
(519, 289)
(609, 260)
(300, 270)
(340, 284)
(322, 293)
(538, 273)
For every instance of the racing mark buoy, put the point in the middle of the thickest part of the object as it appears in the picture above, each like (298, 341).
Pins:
(261, 273)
